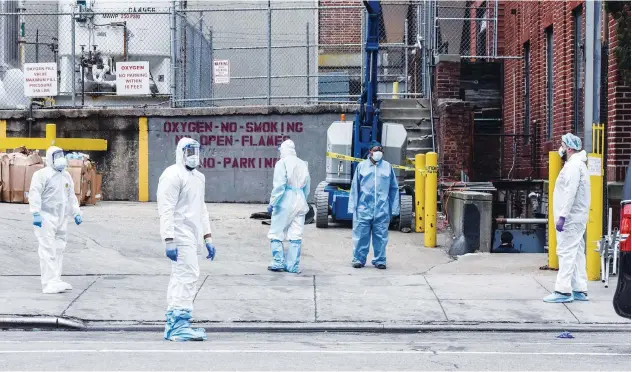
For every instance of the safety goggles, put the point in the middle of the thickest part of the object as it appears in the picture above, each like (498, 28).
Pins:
(58, 155)
(191, 150)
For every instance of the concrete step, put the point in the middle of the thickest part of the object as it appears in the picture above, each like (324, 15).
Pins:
(421, 130)
(404, 103)
(410, 123)
(404, 113)
(419, 142)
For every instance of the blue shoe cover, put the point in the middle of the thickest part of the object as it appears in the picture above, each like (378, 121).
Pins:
(557, 297)
(293, 257)
(580, 296)
(178, 327)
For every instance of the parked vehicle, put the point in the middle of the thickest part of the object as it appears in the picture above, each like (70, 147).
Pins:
(621, 299)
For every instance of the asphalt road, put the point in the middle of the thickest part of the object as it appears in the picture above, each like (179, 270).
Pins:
(71, 351)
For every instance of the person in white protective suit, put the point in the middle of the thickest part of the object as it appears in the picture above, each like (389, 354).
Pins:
(288, 206)
(184, 227)
(571, 202)
(51, 200)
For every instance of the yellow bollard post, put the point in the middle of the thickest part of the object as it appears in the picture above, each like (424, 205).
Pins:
(395, 90)
(430, 233)
(595, 214)
(143, 160)
(420, 196)
(555, 166)
(51, 134)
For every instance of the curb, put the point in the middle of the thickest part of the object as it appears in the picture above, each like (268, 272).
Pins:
(365, 327)
(60, 323)
(40, 322)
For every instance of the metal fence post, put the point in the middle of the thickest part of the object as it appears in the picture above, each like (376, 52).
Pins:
(210, 42)
(74, 58)
(269, 53)
(405, 57)
(199, 53)
(307, 60)
(173, 54)
(362, 45)
(495, 28)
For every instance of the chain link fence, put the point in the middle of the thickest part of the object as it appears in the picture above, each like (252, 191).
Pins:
(225, 53)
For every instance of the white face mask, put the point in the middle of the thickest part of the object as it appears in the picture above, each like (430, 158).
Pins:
(377, 156)
(60, 164)
(562, 152)
(192, 161)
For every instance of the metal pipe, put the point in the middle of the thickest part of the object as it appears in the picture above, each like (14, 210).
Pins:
(173, 53)
(269, 53)
(210, 40)
(406, 55)
(521, 220)
(307, 57)
(74, 58)
(495, 28)
(37, 45)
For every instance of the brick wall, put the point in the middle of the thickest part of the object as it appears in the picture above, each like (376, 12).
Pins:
(447, 79)
(528, 24)
(339, 25)
(454, 127)
(618, 114)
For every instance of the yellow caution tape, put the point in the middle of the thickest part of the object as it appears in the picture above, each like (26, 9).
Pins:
(426, 170)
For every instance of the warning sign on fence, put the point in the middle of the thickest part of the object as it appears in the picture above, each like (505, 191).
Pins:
(221, 71)
(132, 78)
(40, 79)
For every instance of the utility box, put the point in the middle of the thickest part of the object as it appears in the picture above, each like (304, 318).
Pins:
(470, 215)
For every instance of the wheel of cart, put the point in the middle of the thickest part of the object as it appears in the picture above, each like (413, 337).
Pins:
(322, 206)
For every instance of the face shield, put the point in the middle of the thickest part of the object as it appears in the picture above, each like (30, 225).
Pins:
(59, 160)
(191, 156)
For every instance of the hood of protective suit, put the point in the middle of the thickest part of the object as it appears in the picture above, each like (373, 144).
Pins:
(287, 149)
(49, 155)
(579, 156)
(181, 145)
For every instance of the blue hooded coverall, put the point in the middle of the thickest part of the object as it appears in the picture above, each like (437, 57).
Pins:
(373, 200)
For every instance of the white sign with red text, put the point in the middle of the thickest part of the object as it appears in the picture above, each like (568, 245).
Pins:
(221, 71)
(132, 78)
(40, 79)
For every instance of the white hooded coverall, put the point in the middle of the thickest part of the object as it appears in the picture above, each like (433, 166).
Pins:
(289, 195)
(184, 218)
(571, 199)
(52, 195)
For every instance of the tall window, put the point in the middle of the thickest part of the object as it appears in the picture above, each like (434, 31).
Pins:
(549, 82)
(578, 58)
(526, 98)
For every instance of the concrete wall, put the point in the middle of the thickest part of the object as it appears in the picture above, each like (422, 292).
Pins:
(237, 165)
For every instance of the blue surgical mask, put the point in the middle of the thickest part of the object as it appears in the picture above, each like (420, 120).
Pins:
(377, 156)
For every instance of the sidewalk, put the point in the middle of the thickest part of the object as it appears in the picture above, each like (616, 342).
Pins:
(115, 263)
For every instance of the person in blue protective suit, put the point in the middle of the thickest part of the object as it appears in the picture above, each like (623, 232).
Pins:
(571, 203)
(373, 200)
(52, 200)
(184, 227)
(288, 206)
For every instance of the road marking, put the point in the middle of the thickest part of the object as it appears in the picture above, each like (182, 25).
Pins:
(259, 351)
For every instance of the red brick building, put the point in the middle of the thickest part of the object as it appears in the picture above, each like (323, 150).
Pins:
(543, 91)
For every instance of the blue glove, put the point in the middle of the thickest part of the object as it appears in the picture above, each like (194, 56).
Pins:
(211, 250)
(270, 209)
(78, 219)
(171, 251)
(559, 226)
(37, 220)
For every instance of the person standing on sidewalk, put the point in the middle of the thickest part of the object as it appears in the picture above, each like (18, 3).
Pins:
(51, 200)
(571, 202)
(184, 226)
(373, 200)
(288, 206)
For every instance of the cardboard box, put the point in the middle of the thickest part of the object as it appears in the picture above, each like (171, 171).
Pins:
(17, 177)
(98, 181)
(5, 186)
(75, 173)
(30, 171)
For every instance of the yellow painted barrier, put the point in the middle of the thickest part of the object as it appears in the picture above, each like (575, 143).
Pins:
(143, 160)
(3, 133)
(594, 226)
(430, 233)
(395, 90)
(86, 144)
(555, 166)
(420, 197)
